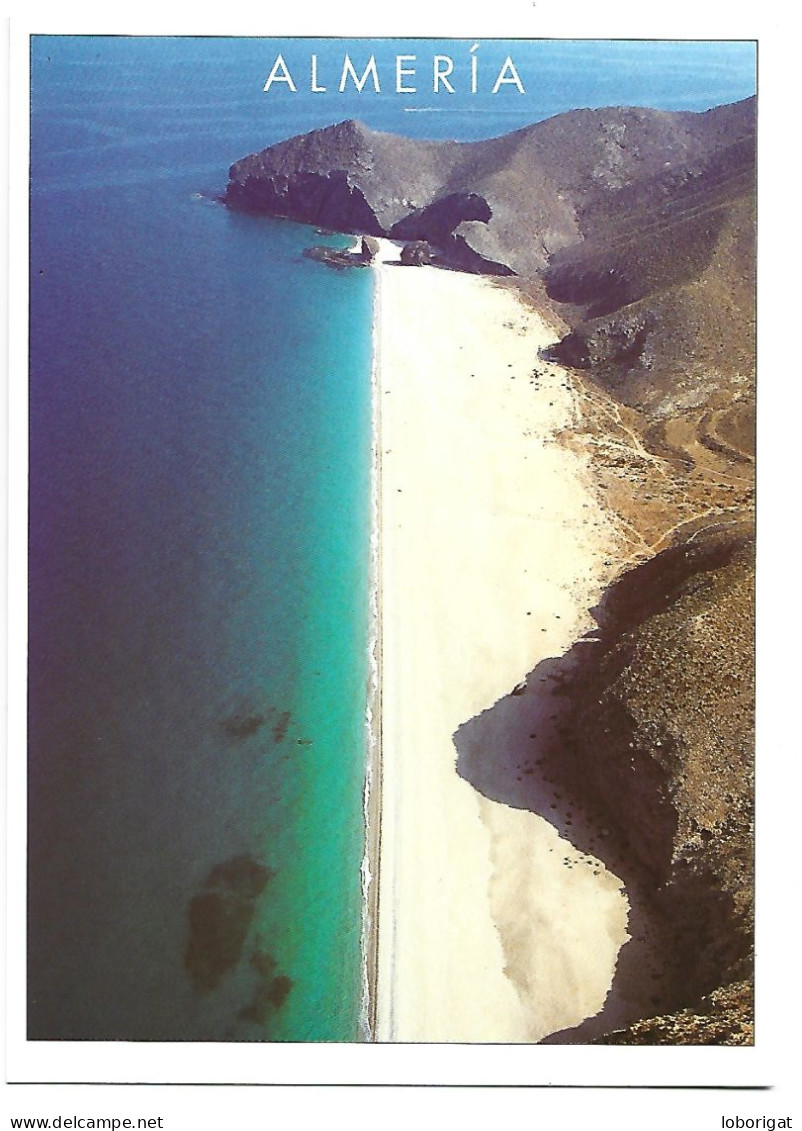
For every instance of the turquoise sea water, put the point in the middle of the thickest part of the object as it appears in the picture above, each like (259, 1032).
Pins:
(200, 463)
(199, 528)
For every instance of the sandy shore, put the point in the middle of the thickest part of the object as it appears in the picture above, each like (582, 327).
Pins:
(492, 550)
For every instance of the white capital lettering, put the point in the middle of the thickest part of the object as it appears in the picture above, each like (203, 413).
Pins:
(512, 78)
(359, 83)
(440, 74)
(279, 73)
(404, 72)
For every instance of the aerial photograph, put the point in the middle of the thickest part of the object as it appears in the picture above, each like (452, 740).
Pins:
(391, 562)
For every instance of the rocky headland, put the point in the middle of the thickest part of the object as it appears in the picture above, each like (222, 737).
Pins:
(633, 232)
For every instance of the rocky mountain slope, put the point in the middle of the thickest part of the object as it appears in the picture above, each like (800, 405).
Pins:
(512, 203)
(634, 231)
(635, 225)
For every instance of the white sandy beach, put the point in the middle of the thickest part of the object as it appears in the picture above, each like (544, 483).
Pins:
(492, 551)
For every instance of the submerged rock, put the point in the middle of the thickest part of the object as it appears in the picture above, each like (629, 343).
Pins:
(220, 917)
(272, 989)
(243, 725)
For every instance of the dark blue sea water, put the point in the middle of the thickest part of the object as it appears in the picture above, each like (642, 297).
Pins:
(200, 461)
(199, 524)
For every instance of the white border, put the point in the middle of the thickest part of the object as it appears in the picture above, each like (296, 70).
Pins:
(769, 1061)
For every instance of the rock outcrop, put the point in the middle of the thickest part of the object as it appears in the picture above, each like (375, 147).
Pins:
(341, 257)
(369, 249)
(416, 254)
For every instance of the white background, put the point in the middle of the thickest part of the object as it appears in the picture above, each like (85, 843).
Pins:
(486, 1085)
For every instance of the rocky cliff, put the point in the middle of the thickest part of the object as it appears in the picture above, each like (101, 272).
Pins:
(642, 740)
(584, 180)
(660, 734)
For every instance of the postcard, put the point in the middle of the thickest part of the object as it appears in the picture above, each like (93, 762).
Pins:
(383, 439)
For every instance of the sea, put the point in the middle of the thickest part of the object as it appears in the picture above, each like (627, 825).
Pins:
(200, 518)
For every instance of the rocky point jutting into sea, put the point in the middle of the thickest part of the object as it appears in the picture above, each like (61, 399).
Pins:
(633, 232)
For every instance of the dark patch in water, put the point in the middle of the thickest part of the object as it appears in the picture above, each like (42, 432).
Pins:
(243, 726)
(242, 875)
(246, 722)
(279, 988)
(271, 991)
(280, 727)
(217, 931)
(220, 917)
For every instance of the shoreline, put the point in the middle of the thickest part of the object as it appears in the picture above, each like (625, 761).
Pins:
(373, 715)
(457, 879)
